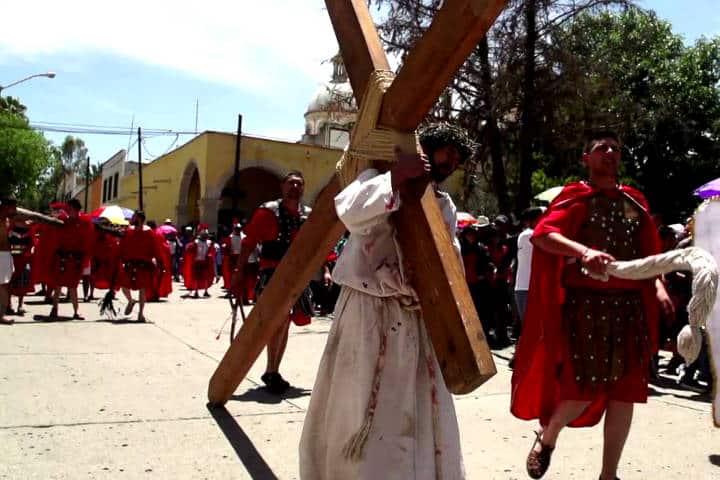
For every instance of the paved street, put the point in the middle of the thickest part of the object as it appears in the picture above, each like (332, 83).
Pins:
(101, 399)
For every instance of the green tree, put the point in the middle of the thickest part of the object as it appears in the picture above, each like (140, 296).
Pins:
(24, 154)
(631, 73)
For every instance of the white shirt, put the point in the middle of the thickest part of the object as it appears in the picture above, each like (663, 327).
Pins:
(236, 243)
(524, 260)
(371, 261)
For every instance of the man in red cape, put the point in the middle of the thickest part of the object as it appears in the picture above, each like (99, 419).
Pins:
(274, 226)
(231, 247)
(140, 257)
(199, 262)
(586, 344)
(69, 251)
(104, 256)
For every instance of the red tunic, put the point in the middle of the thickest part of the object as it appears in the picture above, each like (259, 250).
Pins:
(70, 250)
(138, 249)
(537, 388)
(162, 287)
(229, 259)
(105, 257)
(198, 273)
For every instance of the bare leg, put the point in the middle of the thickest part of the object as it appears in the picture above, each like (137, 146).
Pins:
(566, 412)
(128, 295)
(143, 298)
(21, 300)
(55, 301)
(276, 348)
(4, 302)
(618, 419)
(85, 287)
(73, 293)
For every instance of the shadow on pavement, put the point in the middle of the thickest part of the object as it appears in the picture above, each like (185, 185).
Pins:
(714, 459)
(671, 384)
(243, 446)
(260, 395)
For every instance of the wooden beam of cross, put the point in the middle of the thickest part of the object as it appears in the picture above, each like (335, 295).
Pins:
(451, 319)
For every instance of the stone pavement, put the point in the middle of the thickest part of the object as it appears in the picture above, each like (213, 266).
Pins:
(101, 399)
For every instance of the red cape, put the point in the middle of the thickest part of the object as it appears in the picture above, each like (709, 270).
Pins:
(535, 383)
(198, 274)
(105, 256)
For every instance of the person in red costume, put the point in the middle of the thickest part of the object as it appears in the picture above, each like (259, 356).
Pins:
(21, 248)
(140, 257)
(231, 246)
(586, 344)
(71, 247)
(104, 256)
(199, 263)
(164, 279)
(274, 226)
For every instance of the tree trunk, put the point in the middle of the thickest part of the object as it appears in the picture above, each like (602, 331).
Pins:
(492, 132)
(528, 121)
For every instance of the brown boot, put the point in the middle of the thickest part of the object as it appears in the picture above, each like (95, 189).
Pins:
(538, 462)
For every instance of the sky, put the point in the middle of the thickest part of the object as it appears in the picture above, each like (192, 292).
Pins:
(149, 63)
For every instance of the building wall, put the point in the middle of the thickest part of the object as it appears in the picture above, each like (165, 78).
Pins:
(212, 154)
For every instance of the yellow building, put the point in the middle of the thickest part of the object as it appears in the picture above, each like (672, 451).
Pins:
(194, 183)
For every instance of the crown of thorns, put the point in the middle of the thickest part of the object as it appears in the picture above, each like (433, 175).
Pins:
(438, 135)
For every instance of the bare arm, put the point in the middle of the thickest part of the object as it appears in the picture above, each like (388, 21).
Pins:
(558, 244)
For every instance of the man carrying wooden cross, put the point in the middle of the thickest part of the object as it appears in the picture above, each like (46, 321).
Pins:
(380, 408)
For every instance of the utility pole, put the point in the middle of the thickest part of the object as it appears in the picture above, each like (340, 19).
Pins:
(140, 182)
(236, 176)
(87, 183)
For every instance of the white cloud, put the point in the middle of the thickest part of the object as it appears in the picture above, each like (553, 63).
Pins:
(251, 44)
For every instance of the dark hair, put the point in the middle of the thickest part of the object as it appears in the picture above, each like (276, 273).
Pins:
(293, 173)
(8, 202)
(140, 213)
(439, 135)
(594, 136)
(74, 203)
(151, 224)
(532, 213)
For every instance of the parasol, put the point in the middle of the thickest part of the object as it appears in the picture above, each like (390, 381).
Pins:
(166, 229)
(116, 214)
(549, 194)
(464, 220)
(710, 189)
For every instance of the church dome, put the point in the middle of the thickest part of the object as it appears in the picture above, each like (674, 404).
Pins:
(336, 96)
(333, 97)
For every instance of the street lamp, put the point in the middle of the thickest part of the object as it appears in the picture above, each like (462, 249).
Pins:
(46, 74)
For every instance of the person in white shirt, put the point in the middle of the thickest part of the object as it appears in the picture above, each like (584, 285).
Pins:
(529, 218)
(379, 407)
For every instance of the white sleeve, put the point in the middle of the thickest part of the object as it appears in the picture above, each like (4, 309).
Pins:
(366, 202)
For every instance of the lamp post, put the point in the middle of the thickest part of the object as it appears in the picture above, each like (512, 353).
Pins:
(46, 74)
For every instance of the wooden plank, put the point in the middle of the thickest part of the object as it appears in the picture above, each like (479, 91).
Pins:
(360, 45)
(427, 70)
(439, 280)
(307, 253)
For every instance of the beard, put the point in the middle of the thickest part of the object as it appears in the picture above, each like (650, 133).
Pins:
(438, 173)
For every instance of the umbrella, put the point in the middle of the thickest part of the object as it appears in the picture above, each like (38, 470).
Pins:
(465, 219)
(710, 189)
(549, 194)
(166, 229)
(116, 214)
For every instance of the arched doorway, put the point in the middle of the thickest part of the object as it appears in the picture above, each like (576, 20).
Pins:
(192, 208)
(190, 193)
(255, 186)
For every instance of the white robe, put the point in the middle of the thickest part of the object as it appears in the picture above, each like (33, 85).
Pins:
(379, 408)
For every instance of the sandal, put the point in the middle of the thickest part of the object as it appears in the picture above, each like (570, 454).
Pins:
(275, 383)
(53, 313)
(6, 321)
(77, 316)
(130, 306)
(538, 462)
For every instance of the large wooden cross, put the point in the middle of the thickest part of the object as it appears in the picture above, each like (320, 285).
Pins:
(452, 322)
